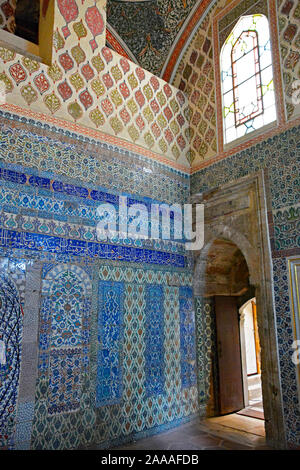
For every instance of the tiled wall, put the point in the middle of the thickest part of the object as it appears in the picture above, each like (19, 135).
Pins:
(91, 86)
(88, 310)
(279, 158)
(103, 376)
(196, 76)
(289, 33)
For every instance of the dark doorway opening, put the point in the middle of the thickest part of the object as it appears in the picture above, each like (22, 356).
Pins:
(27, 20)
(227, 285)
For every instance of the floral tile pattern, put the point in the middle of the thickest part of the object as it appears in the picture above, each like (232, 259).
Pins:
(149, 28)
(92, 86)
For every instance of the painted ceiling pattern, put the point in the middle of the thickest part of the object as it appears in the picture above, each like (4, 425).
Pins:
(94, 87)
(149, 28)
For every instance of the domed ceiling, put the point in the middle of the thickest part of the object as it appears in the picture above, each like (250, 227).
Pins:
(148, 29)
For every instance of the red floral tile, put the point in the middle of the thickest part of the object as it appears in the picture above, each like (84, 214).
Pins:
(290, 32)
(107, 54)
(140, 122)
(155, 83)
(64, 90)
(195, 96)
(18, 73)
(288, 5)
(169, 136)
(125, 65)
(196, 118)
(156, 130)
(107, 107)
(194, 78)
(155, 106)
(182, 85)
(124, 90)
(180, 98)
(86, 99)
(41, 83)
(208, 87)
(167, 90)
(66, 61)
(140, 73)
(193, 57)
(209, 112)
(181, 142)
(207, 68)
(197, 142)
(206, 45)
(87, 72)
(180, 120)
(125, 116)
(168, 113)
(108, 81)
(140, 98)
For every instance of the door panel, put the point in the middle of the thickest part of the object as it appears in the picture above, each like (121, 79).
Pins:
(231, 396)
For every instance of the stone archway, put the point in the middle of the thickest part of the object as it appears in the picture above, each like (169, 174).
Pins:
(237, 213)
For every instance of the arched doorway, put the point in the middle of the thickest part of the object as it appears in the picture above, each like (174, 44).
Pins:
(235, 262)
(227, 286)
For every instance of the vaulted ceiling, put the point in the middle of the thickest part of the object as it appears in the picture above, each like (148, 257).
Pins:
(147, 29)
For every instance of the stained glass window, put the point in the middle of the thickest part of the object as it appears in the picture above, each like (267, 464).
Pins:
(247, 78)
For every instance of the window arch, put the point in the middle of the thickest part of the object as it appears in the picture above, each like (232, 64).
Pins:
(247, 78)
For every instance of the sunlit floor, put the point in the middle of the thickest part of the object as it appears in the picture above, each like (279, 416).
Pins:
(255, 408)
(231, 432)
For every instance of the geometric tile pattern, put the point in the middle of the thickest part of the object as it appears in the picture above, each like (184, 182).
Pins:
(270, 154)
(135, 409)
(63, 364)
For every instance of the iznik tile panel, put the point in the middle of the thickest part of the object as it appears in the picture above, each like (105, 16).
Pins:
(110, 343)
(187, 337)
(154, 354)
(11, 321)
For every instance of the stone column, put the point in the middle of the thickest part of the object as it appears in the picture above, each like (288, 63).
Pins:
(7, 15)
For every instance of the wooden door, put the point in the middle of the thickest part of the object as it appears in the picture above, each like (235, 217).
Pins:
(231, 397)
